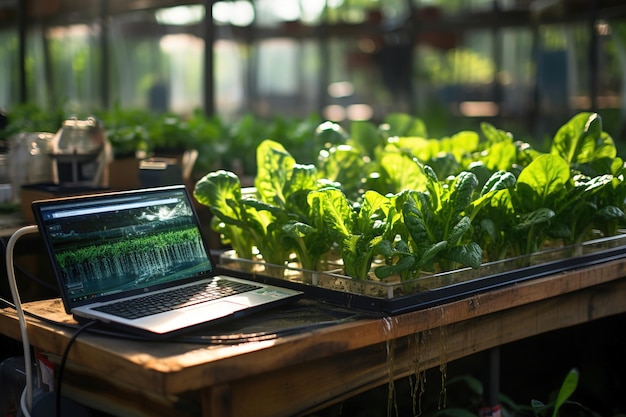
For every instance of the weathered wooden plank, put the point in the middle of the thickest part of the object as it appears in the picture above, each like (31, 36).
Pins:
(303, 372)
(117, 397)
(318, 383)
(330, 341)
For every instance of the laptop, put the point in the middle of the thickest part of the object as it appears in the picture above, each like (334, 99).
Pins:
(114, 252)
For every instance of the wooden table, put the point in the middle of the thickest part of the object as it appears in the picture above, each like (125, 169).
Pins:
(309, 370)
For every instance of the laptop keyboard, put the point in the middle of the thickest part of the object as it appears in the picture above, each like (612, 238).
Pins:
(175, 299)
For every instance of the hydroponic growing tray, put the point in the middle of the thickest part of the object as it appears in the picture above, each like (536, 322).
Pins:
(429, 289)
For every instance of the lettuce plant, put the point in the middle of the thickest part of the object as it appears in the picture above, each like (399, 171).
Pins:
(561, 195)
(500, 150)
(434, 231)
(358, 232)
(274, 220)
(345, 165)
(547, 203)
(409, 231)
(596, 199)
(395, 171)
(583, 144)
(393, 201)
(239, 225)
(517, 219)
(610, 216)
(437, 223)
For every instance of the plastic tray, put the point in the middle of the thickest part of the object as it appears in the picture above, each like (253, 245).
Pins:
(429, 289)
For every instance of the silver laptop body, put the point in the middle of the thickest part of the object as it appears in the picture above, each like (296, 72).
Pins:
(113, 252)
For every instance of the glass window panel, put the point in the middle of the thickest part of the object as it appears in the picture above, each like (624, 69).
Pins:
(531, 72)
(362, 73)
(516, 71)
(137, 65)
(285, 75)
(9, 77)
(272, 13)
(184, 54)
(230, 75)
(155, 66)
(75, 63)
(37, 87)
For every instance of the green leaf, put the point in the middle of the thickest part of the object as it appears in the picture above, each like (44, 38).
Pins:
(494, 135)
(357, 252)
(221, 192)
(500, 153)
(328, 134)
(568, 141)
(303, 179)
(617, 166)
(459, 229)
(470, 254)
(297, 229)
(488, 226)
(366, 137)
(332, 207)
(546, 176)
(500, 180)
(539, 408)
(500, 156)
(561, 231)
(402, 124)
(345, 165)
(216, 188)
(274, 168)
(373, 224)
(402, 265)
(582, 141)
(445, 165)
(567, 389)
(397, 256)
(597, 183)
(608, 213)
(429, 253)
(539, 216)
(259, 205)
(402, 171)
(461, 191)
(374, 204)
(460, 144)
(415, 222)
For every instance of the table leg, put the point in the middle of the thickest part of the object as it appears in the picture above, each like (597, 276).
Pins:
(217, 401)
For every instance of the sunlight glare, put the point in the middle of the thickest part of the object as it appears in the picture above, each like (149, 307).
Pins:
(237, 13)
(312, 10)
(180, 15)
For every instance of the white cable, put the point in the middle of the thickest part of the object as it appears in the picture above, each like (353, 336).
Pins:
(28, 403)
(23, 405)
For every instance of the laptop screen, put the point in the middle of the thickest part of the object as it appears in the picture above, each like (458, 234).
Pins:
(127, 242)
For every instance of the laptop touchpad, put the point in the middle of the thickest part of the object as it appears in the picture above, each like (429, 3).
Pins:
(220, 308)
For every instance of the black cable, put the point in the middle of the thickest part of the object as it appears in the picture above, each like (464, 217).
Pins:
(62, 365)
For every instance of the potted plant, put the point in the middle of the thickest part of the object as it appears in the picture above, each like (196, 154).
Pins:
(126, 131)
